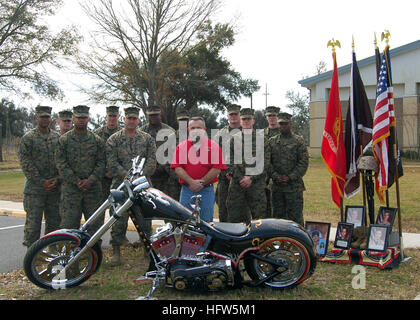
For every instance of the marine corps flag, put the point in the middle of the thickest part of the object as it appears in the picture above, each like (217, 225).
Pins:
(358, 129)
(333, 150)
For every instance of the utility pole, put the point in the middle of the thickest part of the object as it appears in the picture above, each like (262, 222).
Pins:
(266, 94)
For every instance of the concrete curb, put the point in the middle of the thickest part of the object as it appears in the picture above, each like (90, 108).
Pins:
(12, 213)
(22, 214)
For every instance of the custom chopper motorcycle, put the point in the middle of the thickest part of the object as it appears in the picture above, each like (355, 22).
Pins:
(185, 253)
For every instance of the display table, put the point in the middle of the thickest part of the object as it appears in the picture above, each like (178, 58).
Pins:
(389, 259)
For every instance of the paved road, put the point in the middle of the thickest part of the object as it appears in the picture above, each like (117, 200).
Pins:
(12, 251)
(11, 248)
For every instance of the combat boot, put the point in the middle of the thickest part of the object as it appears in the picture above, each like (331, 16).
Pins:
(115, 259)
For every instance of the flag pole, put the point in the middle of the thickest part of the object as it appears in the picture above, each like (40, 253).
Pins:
(361, 152)
(385, 35)
(335, 43)
(377, 76)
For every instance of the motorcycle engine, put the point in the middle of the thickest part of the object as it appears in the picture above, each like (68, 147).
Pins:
(174, 243)
(186, 269)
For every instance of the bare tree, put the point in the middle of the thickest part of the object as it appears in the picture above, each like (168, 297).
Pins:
(27, 44)
(131, 39)
(321, 67)
(299, 104)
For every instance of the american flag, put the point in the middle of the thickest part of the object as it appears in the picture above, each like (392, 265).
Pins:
(383, 119)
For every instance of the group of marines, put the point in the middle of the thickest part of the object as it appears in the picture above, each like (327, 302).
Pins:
(70, 172)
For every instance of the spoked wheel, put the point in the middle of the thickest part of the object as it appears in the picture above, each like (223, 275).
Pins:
(292, 263)
(46, 258)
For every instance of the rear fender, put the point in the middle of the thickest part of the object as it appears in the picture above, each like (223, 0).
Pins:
(268, 228)
(259, 232)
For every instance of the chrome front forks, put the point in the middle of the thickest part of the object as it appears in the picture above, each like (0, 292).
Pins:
(118, 211)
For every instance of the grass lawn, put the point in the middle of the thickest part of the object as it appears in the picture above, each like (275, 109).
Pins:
(11, 185)
(10, 161)
(329, 282)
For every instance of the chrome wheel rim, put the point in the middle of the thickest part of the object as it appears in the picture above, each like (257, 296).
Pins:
(49, 262)
(287, 252)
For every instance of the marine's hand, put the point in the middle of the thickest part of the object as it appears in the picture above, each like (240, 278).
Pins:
(245, 182)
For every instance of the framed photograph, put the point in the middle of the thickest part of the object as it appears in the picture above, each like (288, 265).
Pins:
(343, 235)
(378, 237)
(386, 216)
(320, 233)
(355, 215)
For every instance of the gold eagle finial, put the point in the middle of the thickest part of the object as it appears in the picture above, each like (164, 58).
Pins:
(334, 43)
(385, 35)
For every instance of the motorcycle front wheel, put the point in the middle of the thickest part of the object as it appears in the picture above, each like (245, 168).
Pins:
(47, 257)
(297, 259)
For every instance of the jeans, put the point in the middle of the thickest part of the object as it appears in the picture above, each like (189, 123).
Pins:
(207, 201)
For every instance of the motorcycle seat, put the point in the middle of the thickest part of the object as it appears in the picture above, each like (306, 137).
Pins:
(232, 229)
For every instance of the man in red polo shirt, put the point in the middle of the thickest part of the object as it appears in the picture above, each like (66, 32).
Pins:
(197, 162)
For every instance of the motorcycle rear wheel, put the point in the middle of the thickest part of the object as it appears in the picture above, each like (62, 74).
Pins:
(299, 261)
(47, 257)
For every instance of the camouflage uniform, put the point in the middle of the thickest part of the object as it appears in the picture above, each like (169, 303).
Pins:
(80, 156)
(269, 133)
(36, 157)
(120, 150)
(104, 132)
(222, 181)
(162, 177)
(250, 203)
(287, 155)
(174, 187)
(65, 115)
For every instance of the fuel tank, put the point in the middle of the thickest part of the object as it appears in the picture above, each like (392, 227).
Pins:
(164, 207)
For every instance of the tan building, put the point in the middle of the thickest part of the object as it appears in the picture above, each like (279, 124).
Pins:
(405, 64)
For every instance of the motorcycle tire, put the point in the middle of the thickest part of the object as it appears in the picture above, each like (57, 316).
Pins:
(298, 259)
(47, 257)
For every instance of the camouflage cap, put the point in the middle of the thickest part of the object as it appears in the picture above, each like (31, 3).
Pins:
(65, 114)
(285, 117)
(132, 112)
(247, 113)
(81, 111)
(233, 108)
(272, 110)
(153, 110)
(43, 111)
(112, 110)
(182, 114)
